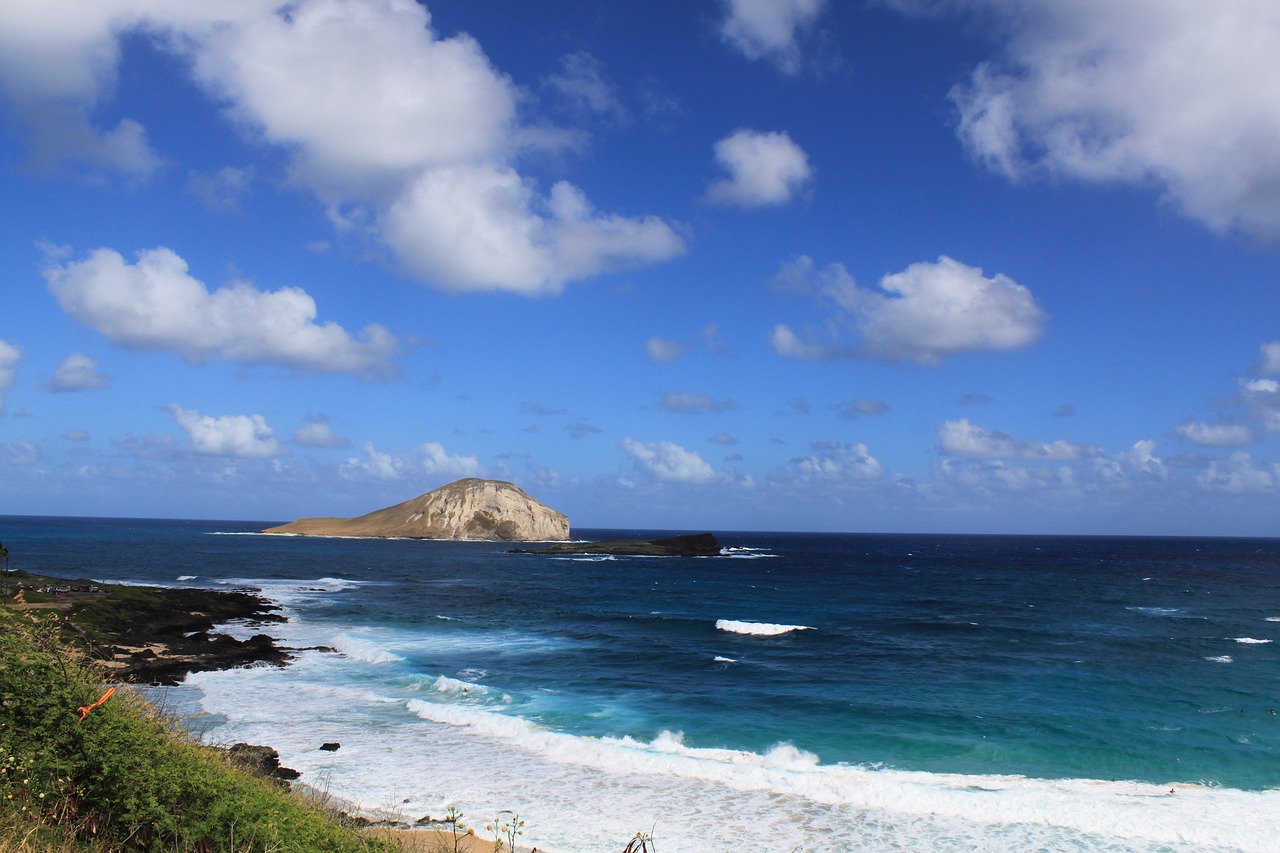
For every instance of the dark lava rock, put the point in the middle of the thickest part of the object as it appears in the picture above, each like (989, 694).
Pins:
(692, 545)
(262, 760)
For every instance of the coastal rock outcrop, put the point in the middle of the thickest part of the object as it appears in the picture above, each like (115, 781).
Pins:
(465, 509)
(689, 545)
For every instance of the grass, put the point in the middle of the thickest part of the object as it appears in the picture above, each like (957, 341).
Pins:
(125, 777)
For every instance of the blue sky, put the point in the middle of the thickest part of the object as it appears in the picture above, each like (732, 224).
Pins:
(891, 265)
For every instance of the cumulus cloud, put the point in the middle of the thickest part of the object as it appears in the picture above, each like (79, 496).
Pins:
(429, 459)
(10, 355)
(769, 29)
(1262, 397)
(77, 372)
(961, 438)
(668, 462)
(387, 123)
(835, 461)
(484, 227)
(926, 313)
(155, 304)
(235, 436)
(316, 432)
(1215, 435)
(764, 169)
(421, 131)
(1239, 475)
(1182, 95)
(57, 64)
(688, 402)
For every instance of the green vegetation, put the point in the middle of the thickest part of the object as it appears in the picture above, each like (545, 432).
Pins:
(121, 776)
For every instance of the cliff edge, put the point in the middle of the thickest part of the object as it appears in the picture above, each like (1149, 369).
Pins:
(465, 509)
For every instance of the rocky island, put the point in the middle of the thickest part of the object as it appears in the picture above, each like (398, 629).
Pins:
(690, 545)
(465, 509)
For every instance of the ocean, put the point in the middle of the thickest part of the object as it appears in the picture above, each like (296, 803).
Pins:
(801, 692)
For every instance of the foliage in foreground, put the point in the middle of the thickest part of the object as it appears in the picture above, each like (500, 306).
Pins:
(123, 777)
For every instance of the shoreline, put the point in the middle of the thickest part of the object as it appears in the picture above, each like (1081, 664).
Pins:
(151, 636)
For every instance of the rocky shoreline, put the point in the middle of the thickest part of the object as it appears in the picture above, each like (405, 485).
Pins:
(153, 635)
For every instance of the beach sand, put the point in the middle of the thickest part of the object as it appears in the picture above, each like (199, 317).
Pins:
(430, 840)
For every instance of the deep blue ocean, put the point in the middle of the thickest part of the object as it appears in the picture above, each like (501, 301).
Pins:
(813, 692)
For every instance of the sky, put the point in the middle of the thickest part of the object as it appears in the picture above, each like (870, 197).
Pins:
(983, 266)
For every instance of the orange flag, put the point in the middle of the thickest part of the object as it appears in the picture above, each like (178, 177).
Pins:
(84, 711)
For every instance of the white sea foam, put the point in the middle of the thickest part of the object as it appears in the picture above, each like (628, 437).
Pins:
(1220, 659)
(412, 757)
(1191, 815)
(1250, 641)
(741, 552)
(723, 659)
(187, 577)
(456, 686)
(758, 629)
(362, 649)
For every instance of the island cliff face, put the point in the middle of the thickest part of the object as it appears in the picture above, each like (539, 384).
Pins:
(466, 509)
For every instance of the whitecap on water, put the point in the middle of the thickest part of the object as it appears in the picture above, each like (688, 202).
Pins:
(758, 629)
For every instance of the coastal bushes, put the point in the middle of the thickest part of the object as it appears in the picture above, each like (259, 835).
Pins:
(78, 775)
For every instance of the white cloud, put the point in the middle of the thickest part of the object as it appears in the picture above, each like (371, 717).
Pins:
(235, 436)
(375, 466)
(961, 438)
(155, 304)
(1185, 95)
(1215, 435)
(769, 29)
(57, 63)
(835, 461)
(387, 123)
(10, 355)
(691, 401)
(380, 111)
(430, 459)
(317, 433)
(788, 344)
(484, 227)
(1270, 359)
(1239, 475)
(668, 462)
(663, 351)
(1262, 396)
(764, 169)
(926, 313)
(433, 459)
(78, 372)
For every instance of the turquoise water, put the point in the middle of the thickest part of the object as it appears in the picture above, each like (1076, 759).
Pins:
(840, 692)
